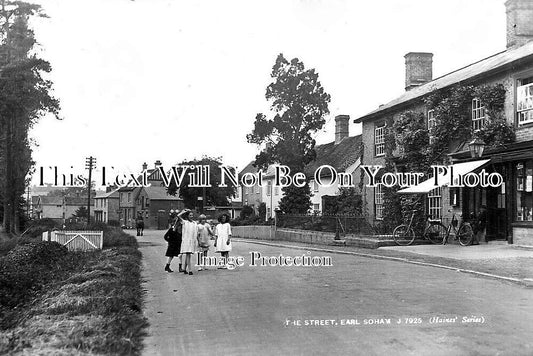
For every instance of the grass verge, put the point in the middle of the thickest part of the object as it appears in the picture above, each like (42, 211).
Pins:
(91, 306)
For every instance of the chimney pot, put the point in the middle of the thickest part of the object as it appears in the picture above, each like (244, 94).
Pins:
(341, 127)
(145, 166)
(519, 22)
(157, 163)
(418, 69)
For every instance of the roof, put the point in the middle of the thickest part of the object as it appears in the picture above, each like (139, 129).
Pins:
(110, 194)
(249, 168)
(46, 200)
(340, 156)
(494, 63)
(76, 200)
(159, 193)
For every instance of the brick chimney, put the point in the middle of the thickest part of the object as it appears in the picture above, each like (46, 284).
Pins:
(519, 22)
(418, 69)
(341, 127)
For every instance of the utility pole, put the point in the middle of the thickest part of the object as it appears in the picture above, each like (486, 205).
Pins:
(90, 162)
(28, 203)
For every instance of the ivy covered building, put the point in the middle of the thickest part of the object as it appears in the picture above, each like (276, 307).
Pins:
(477, 117)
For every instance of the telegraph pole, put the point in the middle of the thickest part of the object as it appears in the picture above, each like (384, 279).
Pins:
(90, 162)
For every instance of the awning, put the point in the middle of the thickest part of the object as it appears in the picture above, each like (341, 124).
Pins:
(444, 179)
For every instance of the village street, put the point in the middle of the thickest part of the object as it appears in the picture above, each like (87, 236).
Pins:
(342, 309)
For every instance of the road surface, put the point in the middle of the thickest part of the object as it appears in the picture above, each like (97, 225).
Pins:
(358, 306)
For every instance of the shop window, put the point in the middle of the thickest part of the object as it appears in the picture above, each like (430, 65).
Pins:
(524, 100)
(524, 191)
(435, 203)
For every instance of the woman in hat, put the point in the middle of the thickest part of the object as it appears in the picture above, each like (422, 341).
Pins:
(189, 236)
(223, 237)
(204, 233)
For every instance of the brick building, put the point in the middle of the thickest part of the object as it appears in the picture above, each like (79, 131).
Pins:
(510, 207)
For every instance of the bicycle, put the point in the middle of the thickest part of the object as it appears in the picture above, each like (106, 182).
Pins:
(465, 232)
(434, 231)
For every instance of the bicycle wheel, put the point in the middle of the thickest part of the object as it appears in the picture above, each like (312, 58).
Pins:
(465, 234)
(403, 235)
(435, 233)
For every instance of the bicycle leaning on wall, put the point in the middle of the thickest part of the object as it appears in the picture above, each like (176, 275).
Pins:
(434, 231)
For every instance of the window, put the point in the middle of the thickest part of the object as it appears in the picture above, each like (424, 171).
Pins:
(129, 197)
(379, 140)
(431, 119)
(435, 203)
(276, 190)
(524, 100)
(478, 114)
(269, 188)
(524, 191)
(257, 189)
(314, 185)
(378, 201)
(316, 208)
(431, 123)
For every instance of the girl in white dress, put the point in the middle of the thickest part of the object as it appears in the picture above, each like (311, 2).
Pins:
(189, 234)
(223, 237)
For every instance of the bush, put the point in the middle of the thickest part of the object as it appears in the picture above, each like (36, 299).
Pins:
(37, 227)
(25, 269)
(115, 237)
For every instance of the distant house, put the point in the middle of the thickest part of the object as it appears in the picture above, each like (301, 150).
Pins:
(106, 206)
(57, 208)
(154, 203)
(47, 207)
(251, 196)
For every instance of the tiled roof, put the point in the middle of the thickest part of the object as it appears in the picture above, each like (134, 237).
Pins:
(493, 63)
(340, 156)
(111, 194)
(76, 200)
(45, 200)
(159, 193)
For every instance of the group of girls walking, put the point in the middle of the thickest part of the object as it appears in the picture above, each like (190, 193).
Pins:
(187, 236)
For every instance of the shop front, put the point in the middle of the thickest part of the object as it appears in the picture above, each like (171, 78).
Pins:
(509, 208)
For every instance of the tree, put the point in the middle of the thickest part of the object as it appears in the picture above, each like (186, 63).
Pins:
(348, 202)
(24, 98)
(81, 213)
(246, 212)
(299, 104)
(262, 211)
(214, 195)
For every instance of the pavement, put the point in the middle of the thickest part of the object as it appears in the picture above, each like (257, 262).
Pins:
(361, 305)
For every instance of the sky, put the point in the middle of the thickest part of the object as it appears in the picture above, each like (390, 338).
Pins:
(169, 80)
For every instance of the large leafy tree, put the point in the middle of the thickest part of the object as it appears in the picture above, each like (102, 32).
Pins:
(24, 98)
(214, 195)
(299, 104)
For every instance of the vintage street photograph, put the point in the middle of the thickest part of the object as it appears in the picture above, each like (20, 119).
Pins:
(282, 177)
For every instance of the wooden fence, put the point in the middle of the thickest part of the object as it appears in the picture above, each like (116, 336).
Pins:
(76, 240)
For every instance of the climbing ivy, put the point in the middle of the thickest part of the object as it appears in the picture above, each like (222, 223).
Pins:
(408, 147)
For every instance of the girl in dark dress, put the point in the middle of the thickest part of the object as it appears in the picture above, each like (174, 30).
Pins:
(173, 237)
